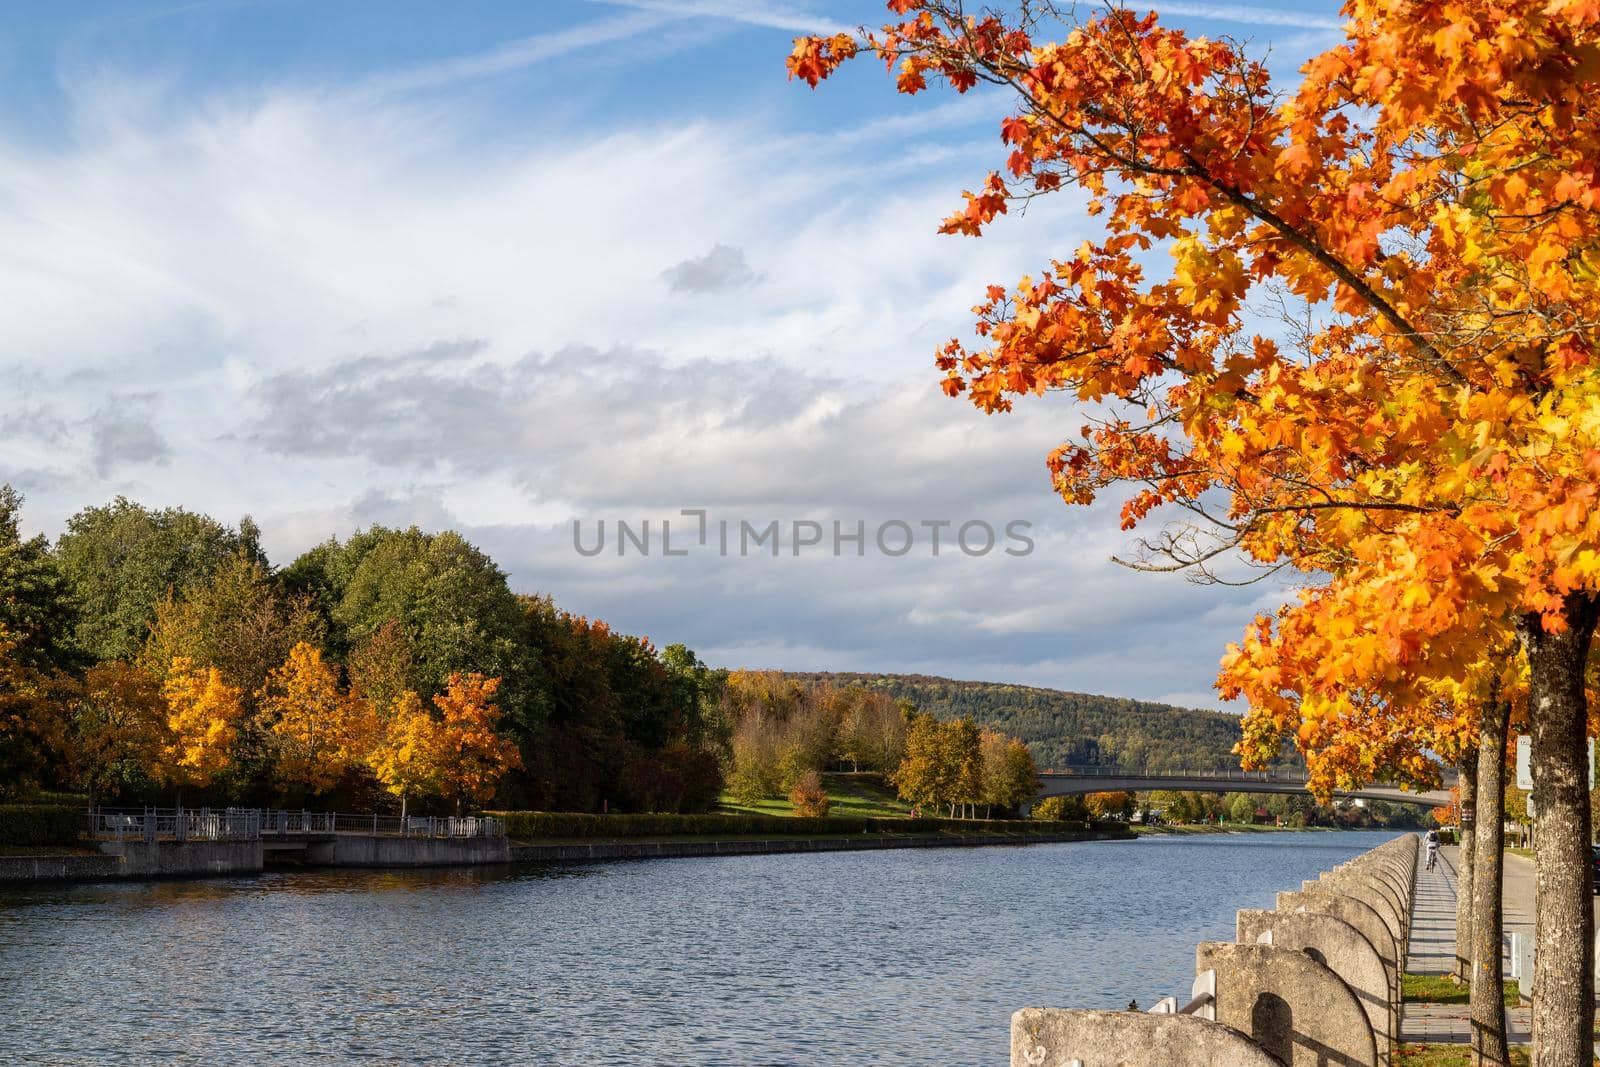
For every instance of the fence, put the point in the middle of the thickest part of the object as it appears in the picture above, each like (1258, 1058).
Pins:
(254, 824)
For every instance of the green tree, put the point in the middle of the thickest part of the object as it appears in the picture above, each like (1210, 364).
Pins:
(120, 561)
(33, 728)
(35, 608)
(1242, 809)
(238, 619)
(448, 598)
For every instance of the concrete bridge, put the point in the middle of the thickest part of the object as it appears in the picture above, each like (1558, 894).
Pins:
(1111, 780)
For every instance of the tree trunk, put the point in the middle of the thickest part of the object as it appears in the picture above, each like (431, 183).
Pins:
(1467, 869)
(1563, 987)
(1488, 1007)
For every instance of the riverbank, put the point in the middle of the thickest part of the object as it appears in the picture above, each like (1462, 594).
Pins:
(1228, 828)
(79, 865)
(686, 846)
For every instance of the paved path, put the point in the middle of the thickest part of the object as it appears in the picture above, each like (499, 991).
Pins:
(1433, 948)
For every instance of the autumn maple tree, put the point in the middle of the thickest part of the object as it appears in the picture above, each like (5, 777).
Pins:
(1371, 360)
(408, 756)
(321, 730)
(472, 756)
(203, 714)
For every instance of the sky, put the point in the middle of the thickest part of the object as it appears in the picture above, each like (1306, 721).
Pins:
(508, 268)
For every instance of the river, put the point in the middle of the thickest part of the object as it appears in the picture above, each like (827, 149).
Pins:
(907, 957)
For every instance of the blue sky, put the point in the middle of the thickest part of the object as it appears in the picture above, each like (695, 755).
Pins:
(498, 267)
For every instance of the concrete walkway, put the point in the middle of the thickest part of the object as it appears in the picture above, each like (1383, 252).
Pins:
(1433, 949)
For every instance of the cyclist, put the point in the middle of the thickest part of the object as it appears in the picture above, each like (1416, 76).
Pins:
(1433, 848)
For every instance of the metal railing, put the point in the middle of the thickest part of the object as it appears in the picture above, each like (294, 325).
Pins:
(1287, 776)
(1217, 776)
(254, 824)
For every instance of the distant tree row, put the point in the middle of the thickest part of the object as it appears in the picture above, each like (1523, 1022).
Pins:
(1288, 809)
(1072, 729)
(151, 651)
(1116, 805)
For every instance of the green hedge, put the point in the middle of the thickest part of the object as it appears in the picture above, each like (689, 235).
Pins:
(534, 825)
(39, 824)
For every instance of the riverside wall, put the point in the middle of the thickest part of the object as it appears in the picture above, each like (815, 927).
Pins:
(198, 859)
(1312, 982)
(565, 851)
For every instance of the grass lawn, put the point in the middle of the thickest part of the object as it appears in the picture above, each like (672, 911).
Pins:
(863, 796)
(1439, 989)
(1447, 1056)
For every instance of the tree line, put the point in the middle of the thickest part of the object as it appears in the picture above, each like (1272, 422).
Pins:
(1065, 729)
(156, 652)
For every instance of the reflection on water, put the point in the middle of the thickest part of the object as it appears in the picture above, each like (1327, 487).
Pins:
(915, 956)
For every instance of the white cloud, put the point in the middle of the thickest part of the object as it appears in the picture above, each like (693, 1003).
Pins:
(343, 309)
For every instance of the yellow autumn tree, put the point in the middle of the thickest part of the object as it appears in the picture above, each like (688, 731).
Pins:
(319, 730)
(474, 757)
(408, 757)
(203, 714)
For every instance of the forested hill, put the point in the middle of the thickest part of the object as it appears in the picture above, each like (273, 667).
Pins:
(1073, 729)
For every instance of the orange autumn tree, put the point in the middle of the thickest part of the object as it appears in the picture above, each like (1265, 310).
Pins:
(203, 714)
(320, 730)
(1422, 438)
(473, 756)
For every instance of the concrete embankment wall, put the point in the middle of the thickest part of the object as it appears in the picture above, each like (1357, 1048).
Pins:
(170, 859)
(349, 850)
(174, 859)
(646, 849)
(59, 868)
(1310, 983)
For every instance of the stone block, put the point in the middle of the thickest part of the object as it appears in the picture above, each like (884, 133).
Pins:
(1343, 950)
(1295, 1008)
(1055, 1037)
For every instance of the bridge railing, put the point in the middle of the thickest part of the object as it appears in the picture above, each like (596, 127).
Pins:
(1216, 776)
(175, 824)
(254, 824)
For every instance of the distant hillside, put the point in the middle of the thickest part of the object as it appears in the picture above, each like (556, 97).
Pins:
(1071, 729)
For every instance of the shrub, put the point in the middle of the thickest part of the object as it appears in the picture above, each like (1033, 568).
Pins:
(808, 797)
(39, 824)
(1061, 809)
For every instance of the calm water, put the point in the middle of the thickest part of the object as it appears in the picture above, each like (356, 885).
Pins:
(913, 956)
